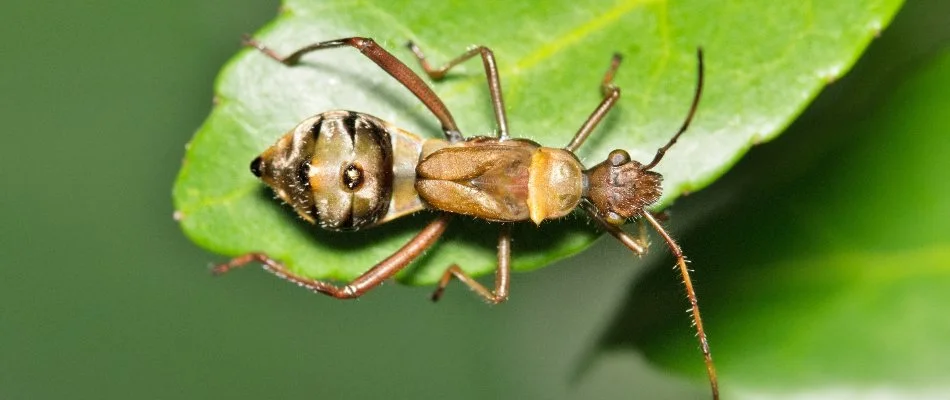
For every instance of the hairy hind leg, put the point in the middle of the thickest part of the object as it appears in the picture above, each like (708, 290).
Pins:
(367, 281)
(388, 63)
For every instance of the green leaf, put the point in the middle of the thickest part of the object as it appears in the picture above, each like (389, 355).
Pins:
(832, 286)
(765, 62)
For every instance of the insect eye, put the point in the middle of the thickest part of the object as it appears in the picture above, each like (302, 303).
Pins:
(352, 177)
(614, 218)
(618, 158)
(256, 166)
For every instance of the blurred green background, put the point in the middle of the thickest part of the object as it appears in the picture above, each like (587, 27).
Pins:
(821, 259)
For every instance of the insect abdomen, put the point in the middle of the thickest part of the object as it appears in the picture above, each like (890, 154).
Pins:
(338, 169)
(351, 170)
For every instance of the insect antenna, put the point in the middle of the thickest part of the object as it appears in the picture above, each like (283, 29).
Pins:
(689, 117)
(693, 302)
(639, 246)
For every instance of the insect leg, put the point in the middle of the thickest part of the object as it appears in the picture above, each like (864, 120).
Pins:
(388, 63)
(491, 71)
(693, 302)
(611, 94)
(638, 245)
(364, 283)
(502, 273)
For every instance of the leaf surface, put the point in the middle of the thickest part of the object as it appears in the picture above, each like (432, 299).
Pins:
(764, 62)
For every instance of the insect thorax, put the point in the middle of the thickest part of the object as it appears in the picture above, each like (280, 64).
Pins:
(501, 180)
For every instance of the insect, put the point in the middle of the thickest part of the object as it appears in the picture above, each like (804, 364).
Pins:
(345, 170)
